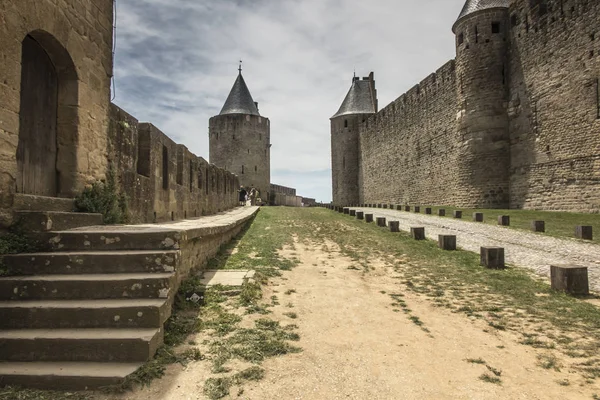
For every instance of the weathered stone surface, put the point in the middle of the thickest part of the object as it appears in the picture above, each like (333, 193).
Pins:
(492, 257)
(504, 220)
(478, 217)
(447, 242)
(381, 222)
(417, 233)
(572, 279)
(538, 226)
(394, 226)
(42, 221)
(584, 232)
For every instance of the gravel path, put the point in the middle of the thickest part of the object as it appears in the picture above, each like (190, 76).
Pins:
(523, 249)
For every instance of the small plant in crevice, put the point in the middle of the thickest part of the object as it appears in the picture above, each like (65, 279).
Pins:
(104, 197)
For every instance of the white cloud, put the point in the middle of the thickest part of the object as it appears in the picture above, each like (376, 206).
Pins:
(177, 59)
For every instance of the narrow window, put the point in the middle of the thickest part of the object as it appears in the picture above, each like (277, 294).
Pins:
(345, 123)
(213, 182)
(248, 151)
(165, 167)
(191, 176)
(526, 23)
(495, 27)
(242, 169)
(514, 21)
(476, 35)
(344, 162)
(503, 74)
(597, 98)
(199, 178)
(260, 136)
(255, 169)
(179, 175)
(461, 38)
(233, 136)
(206, 182)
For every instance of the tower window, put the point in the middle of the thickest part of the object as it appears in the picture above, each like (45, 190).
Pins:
(242, 169)
(461, 38)
(255, 168)
(233, 136)
(495, 27)
(598, 98)
(248, 151)
(345, 123)
(165, 167)
(514, 20)
(476, 35)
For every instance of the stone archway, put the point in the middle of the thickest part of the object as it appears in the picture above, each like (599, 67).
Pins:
(48, 118)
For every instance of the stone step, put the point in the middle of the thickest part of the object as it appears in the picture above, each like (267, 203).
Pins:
(30, 202)
(43, 221)
(110, 239)
(62, 314)
(86, 286)
(91, 262)
(65, 375)
(79, 345)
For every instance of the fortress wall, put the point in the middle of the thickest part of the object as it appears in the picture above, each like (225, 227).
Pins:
(554, 106)
(409, 148)
(163, 180)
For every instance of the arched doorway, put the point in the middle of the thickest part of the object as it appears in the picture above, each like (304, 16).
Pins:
(48, 118)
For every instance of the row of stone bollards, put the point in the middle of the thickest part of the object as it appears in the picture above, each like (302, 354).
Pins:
(572, 279)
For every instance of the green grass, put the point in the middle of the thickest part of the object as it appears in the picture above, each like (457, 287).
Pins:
(558, 224)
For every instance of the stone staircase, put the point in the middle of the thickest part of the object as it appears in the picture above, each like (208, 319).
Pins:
(89, 310)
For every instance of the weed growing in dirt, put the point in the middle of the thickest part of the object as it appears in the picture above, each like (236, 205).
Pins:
(490, 379)
(291, 315)
(217, 388)
(290, 291)
(548, 361)
(475, 360)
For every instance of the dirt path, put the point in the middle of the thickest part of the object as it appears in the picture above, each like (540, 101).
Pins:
(357, 347)
(524, 249)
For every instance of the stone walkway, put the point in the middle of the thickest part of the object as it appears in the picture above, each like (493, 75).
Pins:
(523, 249)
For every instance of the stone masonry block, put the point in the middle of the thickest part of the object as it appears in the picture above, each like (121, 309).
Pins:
(379, 205)
(360, 215)
(428, 211)
(457, 214)
(492, 257)
(385, 206)
(583, 232)
(538, 226)
(381, 222)
(398, 207)
(442, 212)
(395, 226)
(340, 210)
(417, 233)
(417, 209)
(369, 218)
(478, 217)
(346, 210)
(353, 213)
(504, 220)
(447, 242)
(391, 206)
(407, 208)
(572, 279)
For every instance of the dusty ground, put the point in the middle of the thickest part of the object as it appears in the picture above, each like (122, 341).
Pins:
(357, 345)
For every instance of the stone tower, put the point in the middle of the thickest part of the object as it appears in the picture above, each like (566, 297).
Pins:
(482, 92)
(239, 139)
(360, 102)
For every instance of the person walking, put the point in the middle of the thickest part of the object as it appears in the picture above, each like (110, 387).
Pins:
(253, 197)
(242, 196)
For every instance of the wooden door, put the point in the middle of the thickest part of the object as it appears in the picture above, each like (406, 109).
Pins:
(36, 151)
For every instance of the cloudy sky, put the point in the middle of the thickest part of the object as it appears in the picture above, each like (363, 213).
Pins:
(176, 61)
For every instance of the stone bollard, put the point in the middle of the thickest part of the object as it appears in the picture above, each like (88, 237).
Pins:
(572, 279)
(504, 220)
(442, 212)
(428, 210)
(391, 206)
(538, 226)
(346, 210)
(385, 206)
(360, 215)
(353, 213)
(418, 233)
(407, 208)
(341, 209)
(492, 257)
(395, 226)
(447, 242)
(368, 217)
(417, 209)
(478, 217)
(381, 222)
(457, 214)
(398, 207)
(583, 232)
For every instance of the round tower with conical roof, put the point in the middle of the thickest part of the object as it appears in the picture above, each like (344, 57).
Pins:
(360, 102)
(240, 139)
(482, 84)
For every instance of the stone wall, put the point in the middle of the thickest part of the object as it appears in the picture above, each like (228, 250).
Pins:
(162, 179)
(513, 122)
(242, 144)
(409, 148)
(77, 37)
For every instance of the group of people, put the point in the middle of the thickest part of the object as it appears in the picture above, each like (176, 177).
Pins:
(252, 194)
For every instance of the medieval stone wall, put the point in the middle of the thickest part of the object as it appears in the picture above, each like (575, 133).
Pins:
(513, 122)
(241, 144)
(409, 148)
(77, 37)
(163, 180)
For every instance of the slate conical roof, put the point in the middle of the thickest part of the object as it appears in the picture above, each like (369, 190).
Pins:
(359, 99)
(239, 100)
(472, 6)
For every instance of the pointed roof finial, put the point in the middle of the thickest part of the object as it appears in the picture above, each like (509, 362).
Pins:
(240, 68)
(239, 100)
